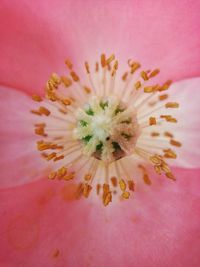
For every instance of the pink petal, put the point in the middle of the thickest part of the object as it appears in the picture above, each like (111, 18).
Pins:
(43, 226)
(20, 162)
(186, 131)
(187, 94)
(36, 38)
(31, 46)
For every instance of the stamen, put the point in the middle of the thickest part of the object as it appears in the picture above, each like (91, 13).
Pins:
(74, 76)
(154, 73)
(99, 128)
(175, 143)
(69, 64)
(152, 121)
(172, 105)
(44, 111)
(37, 98)
(163, 97)
(168, 134)
(146, 179)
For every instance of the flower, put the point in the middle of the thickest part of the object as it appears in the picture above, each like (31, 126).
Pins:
(160, 225)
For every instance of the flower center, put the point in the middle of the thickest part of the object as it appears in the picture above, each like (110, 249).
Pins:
(107, 128)
(104, 132)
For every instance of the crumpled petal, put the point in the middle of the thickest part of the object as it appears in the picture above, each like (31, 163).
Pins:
(36, 38)
(20, 161)
(158, 227)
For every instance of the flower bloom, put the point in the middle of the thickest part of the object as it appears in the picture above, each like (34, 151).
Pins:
(105, 129)
(159, 224)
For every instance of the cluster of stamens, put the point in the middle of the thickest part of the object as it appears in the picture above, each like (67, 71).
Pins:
(90, 132)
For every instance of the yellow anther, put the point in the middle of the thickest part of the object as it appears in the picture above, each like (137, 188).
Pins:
(154, 73)
(165, 86)
(36, 112)
(137, 85)
(135, 66)
(51, 96)
(62, 172)
(122, 184)
(168, 118)
(114, 181)
(39, 130)
(168, 134)
(87, 67)
(154, 134)
(55, 78)
(69, 176)
(52, 175)
(110, 59)
(87, 89)
(163, 97)
(103, 60)
(87, 177)
(106, 188)
(175, 143)
(86, 190)
(98, 187)
(126, 195)
(69, 64)
(155, 159)
(107, 198)
(164, 166)
(115, 67)
(124, 76)
(37, 98)
(172, 105)
(152, 121)
(170, 176)
(66, 81)
(51, 156)
(131, 185)
(44, 111)
(63, 111)
(170, 154)
(172, 120)
(66, 101)
(42, 146)
(146, 179)
(149, 89)
(157, 169)
(144, 75)
(51, 86)
(59, 158)
(74, 76)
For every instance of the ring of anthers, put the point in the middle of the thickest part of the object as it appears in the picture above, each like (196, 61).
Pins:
(93, 132)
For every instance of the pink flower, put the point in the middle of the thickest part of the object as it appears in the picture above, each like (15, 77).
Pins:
(41, 222)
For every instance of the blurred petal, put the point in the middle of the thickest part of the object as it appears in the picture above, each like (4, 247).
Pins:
(186, 131)
(20, 161)
(159, 227)
(36, 38)
(187, 93)
(31, 46)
